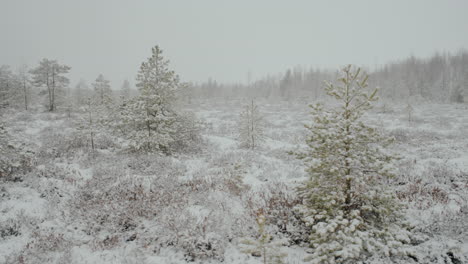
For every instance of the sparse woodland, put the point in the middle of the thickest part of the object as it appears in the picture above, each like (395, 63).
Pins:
(169, 172)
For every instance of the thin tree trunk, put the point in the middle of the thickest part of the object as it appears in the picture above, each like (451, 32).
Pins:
(52, 106)
(25, 95)
(91, 134)
(49, 91)
(148, 126)
(347, 149)
(252, 124)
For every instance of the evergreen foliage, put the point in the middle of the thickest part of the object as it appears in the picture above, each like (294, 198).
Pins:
(264, 246)
(345, 203)
(51, 75)
(102, 90)
(149, 120)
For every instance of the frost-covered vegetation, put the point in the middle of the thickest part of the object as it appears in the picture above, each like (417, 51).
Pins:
(346, 204)
(164, 174)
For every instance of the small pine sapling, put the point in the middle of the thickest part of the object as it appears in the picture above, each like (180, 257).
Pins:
(251, 127)
(409, 111)
(264, 246)
(88, 124)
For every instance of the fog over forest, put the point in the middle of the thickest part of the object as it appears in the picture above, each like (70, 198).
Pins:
(241, 132)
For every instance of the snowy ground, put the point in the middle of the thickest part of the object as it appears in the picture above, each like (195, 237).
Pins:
(110, 207)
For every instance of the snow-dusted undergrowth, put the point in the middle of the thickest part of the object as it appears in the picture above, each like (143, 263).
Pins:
(70, 205)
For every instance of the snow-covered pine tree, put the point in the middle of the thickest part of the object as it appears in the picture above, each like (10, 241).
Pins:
(102, 90)
(251, 126)
(148, 120)
(51, 75)
(264, 247)
(350, 212)
(125, 91)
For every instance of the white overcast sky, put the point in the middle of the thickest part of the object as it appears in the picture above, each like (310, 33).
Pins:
(225, 39)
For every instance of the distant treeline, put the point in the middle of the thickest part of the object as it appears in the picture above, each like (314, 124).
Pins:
(441, 78)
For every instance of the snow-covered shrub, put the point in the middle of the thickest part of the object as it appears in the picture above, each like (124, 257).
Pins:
(147, 200)
(56, 171)
(45, 246)
(57, 144)
(423, 194)
(16, 157)
(277, 203)
(105, 140)
(9, 228)
(438, 183)
(400, 135)
(200, 235)
(187, 128)
(48, 240)
(232, 179)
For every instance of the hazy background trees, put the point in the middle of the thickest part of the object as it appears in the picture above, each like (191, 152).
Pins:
(102, 90)
(442, 77)
(125, 91)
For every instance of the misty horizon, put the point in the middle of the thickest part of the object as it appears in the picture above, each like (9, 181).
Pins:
(225, 41)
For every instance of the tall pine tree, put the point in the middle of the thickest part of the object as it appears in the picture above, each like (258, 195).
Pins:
(51, 75)
(148, 121)
(346, 204)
